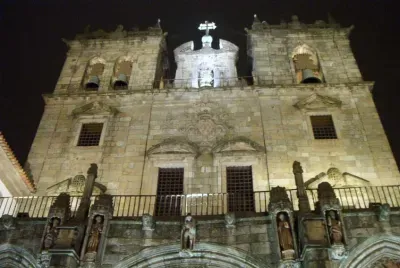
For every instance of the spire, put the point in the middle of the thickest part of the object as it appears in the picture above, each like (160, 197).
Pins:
(257, 25)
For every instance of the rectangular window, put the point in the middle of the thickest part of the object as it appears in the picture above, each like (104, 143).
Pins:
(90, 134)
(169, 192)
(240, 188)
(323, 127)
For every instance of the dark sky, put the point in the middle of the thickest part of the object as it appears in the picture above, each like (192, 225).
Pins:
(32, 53)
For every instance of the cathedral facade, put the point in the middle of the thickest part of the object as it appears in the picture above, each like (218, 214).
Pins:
(223, 151)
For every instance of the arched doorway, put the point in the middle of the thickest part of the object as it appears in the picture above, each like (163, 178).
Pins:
(204, 255)
(381, 251)
(16, 257)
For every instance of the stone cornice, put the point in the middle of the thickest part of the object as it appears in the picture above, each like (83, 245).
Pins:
(264, 90)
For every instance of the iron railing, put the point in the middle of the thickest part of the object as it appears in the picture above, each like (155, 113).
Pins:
(130, 206)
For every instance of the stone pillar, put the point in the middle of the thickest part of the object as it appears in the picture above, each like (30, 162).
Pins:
(331, 211)
(59, 213)
(281, 210)
(64, 250)
(304, 205)
(96, 231)
(313, 241)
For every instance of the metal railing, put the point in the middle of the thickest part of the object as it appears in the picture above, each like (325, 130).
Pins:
(130, 206)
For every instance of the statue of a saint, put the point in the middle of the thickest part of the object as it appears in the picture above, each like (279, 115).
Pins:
(335, 228)
(285, 234)
(51, 233)
(188, 235)
(95, 234)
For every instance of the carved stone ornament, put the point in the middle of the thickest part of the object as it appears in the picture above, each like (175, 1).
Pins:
(337, 179)
(75, 186)
(148, 223)
(384, 212)
(289, 264)
(44, 259)
(188, 234)
(103, 205)
(316, 102)
(385, 262)
(338, 252)
(94, 108)
(327, 198)
(206, 123)
(51, 233)
(335, 227)
(230, 220)
(61, 208)
(7, 222)
(279, 200)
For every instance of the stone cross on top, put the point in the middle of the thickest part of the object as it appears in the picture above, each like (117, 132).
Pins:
(207, 26)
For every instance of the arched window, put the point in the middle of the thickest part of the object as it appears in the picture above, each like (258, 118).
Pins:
(94, 71)
(306, 65)
(122, 73)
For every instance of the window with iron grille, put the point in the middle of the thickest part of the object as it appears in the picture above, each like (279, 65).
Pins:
(90, 134)
(323, 127)
(240, 188)
(169, 191)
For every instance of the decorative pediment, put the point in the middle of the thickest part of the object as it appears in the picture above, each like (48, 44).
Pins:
(336, 178)
(174, 146)
(94, 108)
(75, 186)
(317, 102)
(239, 144)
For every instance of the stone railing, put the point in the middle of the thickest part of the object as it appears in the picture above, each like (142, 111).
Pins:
(202, 204)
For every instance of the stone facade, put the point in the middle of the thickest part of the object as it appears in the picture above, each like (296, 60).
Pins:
(116, 81)
(266, 125)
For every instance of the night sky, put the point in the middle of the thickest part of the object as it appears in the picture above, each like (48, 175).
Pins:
(32, 53)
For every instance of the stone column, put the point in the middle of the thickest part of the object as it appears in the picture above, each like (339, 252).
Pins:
(304, 205)
(96, 231)
(281, 210)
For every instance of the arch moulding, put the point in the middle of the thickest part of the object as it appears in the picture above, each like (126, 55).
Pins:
(372, 250)
(205, 255)
(14, 256)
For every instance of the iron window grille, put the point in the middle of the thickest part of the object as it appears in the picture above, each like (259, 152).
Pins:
(240, 188)
(90, 134)
(323, 127)
(169, 192)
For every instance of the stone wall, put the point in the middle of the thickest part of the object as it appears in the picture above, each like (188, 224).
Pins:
(267, 128)
(252, 235)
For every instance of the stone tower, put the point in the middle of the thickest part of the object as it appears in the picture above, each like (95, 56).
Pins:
(306, 101)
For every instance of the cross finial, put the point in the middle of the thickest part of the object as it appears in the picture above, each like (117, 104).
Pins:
(207, 26)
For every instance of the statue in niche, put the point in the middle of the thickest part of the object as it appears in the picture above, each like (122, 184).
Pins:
(51, 233)
(206, 77)
(285, 233)
(188, 235)
(95, 234)
(334, 227)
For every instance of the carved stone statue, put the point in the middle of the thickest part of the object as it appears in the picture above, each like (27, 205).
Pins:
(384, 212)
(147, 222)
(95, 234)
(285, 234)
(51, 233)
(8, 222)
(188, 235)
(335, 228)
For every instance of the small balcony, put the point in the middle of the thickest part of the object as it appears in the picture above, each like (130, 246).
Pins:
(207, 204)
